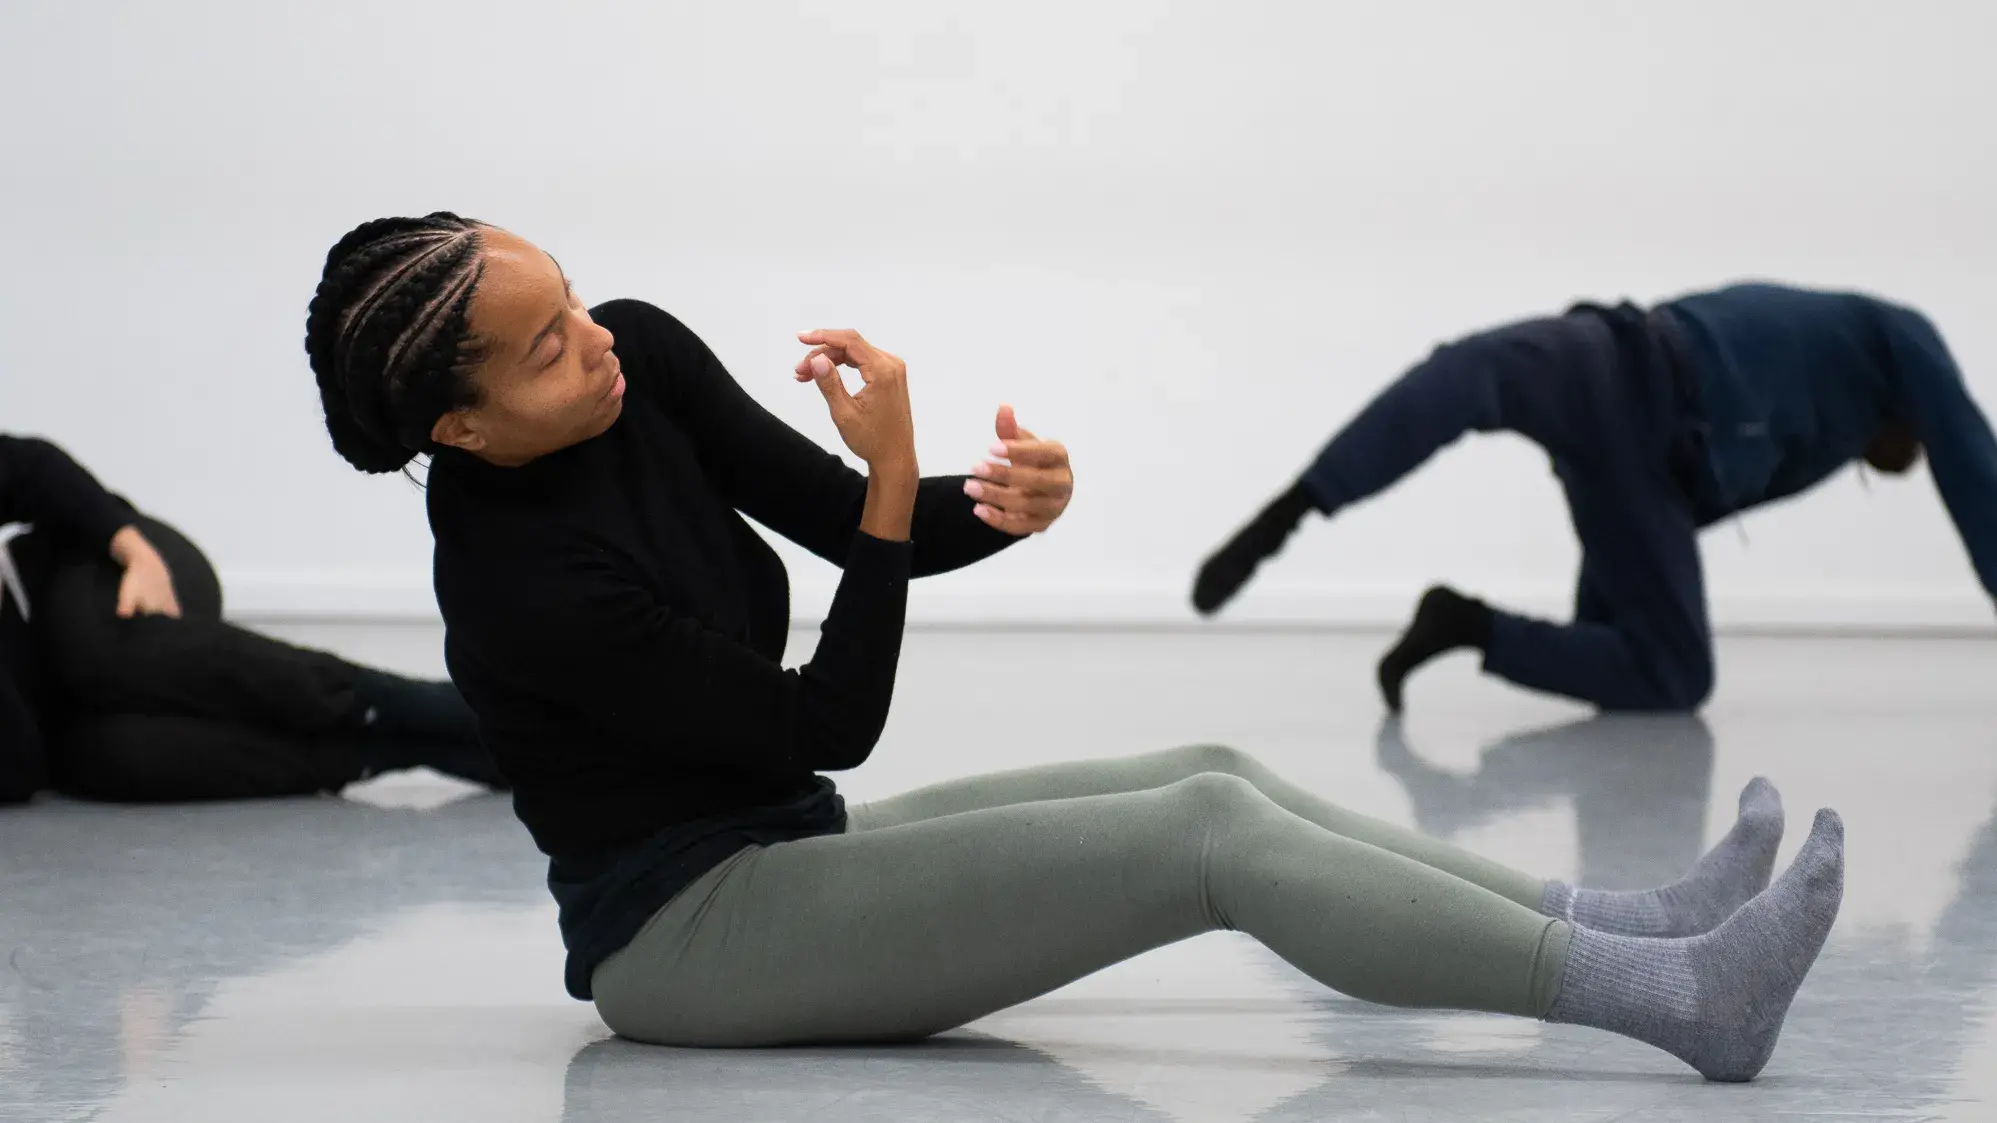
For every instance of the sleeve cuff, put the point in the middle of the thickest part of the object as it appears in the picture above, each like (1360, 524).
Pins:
(103, 517)
(879, 562)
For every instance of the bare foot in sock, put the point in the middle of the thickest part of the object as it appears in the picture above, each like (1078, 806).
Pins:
(1234, 563)
(1729, 876)
(1444, 621)
(1717, 1001)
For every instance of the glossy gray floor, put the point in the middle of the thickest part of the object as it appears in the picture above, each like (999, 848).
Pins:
(392, 955)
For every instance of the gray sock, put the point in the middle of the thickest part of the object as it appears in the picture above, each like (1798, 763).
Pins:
(1725, 879)
(1714, 1001)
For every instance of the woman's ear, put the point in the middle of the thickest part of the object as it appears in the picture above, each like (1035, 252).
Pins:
(458, 429)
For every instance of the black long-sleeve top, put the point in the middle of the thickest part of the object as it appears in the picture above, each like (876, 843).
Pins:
(619, 630)
(70, 513)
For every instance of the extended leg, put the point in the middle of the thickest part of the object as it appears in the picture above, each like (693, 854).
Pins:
(904, 931)
(153, 758)
(1725, 878)
(1156, 770)
(1539, 378)
(901, 932)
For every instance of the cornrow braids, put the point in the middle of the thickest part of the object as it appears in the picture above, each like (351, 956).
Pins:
(389, 337)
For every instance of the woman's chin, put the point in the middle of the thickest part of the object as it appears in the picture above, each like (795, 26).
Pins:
(613, 409)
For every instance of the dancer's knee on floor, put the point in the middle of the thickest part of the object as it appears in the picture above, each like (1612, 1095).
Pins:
(1697, 686)
(1678, 683)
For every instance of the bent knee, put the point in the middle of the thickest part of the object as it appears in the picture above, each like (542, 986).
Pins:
(1226, 760)
(1695, 689)
(1687, 678)
(1207, 795)
(1678, 685)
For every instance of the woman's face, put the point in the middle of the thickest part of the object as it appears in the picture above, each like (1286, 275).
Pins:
(549, 379)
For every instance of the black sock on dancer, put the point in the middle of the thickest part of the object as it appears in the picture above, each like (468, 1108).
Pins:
(1444, 621)
(395, 704)
(407, 722)
(380, 752)
(1233, 564)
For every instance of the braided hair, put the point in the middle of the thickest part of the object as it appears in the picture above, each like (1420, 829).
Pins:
(389, 336)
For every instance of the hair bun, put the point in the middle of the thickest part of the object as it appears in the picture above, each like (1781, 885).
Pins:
(388, 337)
(365, 452)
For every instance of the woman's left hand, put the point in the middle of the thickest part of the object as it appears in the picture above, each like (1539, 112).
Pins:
(1026, 495)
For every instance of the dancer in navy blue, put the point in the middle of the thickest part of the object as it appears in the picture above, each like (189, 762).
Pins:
(1659, 423)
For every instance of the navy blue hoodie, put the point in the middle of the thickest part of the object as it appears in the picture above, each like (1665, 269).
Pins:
(1796, 383)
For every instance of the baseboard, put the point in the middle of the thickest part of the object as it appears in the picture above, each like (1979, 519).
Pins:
(951, 603)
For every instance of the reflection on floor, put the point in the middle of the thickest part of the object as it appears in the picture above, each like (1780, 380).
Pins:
(392, 955)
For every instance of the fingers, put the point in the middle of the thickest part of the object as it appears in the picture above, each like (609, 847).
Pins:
(1016, 501)
(133, 603)
(847, 348)
(804, 365)
(1051, 455)
(1038, 495)
(822, 370)
(802, 371)
(1028, 494)
(1009, 428)
(129, 591)
(845, 338)
(1012, 522)
(1018, 477)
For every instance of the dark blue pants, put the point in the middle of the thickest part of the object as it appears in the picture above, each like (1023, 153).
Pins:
(1592, 390)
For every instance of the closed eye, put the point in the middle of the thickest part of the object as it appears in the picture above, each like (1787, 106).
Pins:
(561, 342)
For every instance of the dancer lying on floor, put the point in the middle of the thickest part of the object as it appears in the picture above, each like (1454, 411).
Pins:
(619, 628)
(119, 679)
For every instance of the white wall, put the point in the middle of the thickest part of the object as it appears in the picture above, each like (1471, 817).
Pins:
(1189, 239)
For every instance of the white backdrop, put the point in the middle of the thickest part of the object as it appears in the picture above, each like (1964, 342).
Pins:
(1188, 239)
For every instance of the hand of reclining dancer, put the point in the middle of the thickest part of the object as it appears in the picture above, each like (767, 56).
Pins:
(147, 587)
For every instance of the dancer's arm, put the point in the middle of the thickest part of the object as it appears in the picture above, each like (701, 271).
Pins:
(43, 485)
(773, 473)
(1962, 453)
(595, 636)
(592, 632)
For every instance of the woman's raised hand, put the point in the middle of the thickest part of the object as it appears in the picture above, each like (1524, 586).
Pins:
(875, 423)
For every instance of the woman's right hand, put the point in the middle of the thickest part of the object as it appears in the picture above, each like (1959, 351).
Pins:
(875, 423)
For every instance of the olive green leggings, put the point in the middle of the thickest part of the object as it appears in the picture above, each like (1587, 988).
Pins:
(943, 905)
